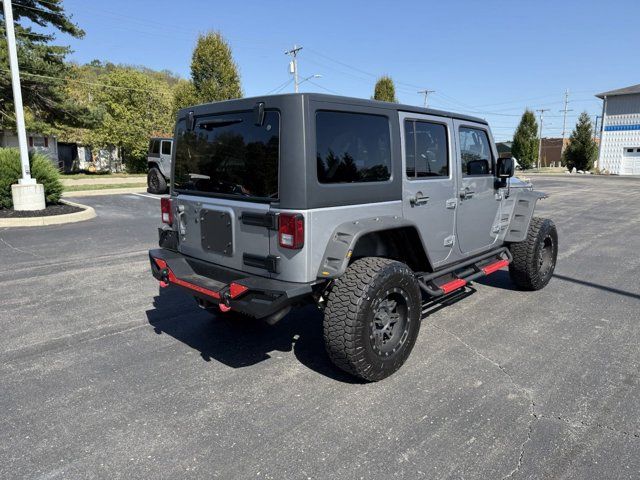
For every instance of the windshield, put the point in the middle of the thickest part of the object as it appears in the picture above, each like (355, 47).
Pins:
(229, 154)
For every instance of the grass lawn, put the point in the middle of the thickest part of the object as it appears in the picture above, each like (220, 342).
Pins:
(78, 176)
(77, 188)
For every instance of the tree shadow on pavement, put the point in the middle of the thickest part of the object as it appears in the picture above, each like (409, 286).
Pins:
(240, 343)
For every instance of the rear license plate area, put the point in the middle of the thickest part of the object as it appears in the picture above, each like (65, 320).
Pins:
(216, 232)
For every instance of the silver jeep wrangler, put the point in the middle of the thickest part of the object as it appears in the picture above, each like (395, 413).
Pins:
(364, 208)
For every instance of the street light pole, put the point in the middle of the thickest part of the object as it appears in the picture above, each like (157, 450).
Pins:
(17, 93)
(27, 195)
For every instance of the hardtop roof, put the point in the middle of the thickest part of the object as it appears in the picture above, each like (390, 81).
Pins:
(359, 102)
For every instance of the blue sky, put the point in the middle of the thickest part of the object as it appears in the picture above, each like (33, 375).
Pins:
(490, 58)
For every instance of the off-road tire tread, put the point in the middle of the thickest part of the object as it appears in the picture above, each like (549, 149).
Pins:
(342, 312)
(161, 181)
(523, 270)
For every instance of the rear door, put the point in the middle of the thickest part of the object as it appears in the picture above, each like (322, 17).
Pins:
(429, 198)
(225, 177)
(165, 157)
(478, 205)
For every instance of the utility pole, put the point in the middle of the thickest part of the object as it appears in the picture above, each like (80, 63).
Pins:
(564, 119)
(293, 65)
(542, 110)
(27, 194)
(426, 94)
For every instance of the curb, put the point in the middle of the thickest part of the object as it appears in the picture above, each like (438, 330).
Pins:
(86, 214)
(106, 191)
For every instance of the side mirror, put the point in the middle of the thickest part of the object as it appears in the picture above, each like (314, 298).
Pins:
(506, 167)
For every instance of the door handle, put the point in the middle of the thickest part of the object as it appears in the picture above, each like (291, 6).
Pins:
(418, 199)
(466, 192)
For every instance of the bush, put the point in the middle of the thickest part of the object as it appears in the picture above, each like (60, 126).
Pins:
(41, 169)
(136, 164)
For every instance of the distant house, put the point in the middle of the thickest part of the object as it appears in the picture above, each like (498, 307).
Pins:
(551, 151)
(38, 142)
(504, 149)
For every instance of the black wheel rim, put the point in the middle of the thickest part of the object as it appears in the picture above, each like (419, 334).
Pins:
(389, 326)
(546, 258)
(155, 183)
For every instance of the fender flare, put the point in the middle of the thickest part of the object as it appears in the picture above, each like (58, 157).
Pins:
(156, 164)
(345, 237)
(521, 213)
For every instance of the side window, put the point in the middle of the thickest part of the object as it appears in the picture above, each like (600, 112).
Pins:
(352, 147)
(166, 148)
(427, 153)
(154, 148)
(475, 152)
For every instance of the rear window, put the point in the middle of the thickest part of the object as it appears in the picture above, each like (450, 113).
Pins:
(229, 155)
(352, 147)
(154, 147)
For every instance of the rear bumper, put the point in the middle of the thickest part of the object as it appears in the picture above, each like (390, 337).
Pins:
(256, 296)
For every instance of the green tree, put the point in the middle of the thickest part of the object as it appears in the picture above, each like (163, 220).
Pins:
(134, 106)
(525, 141)
(582, 149)
(214, 73)
(385, 90)
(42, 66)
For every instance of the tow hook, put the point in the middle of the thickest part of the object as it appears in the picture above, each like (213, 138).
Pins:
(224, 304)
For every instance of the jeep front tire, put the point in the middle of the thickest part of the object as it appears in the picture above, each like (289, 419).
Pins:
(534, 259)
(372, 318)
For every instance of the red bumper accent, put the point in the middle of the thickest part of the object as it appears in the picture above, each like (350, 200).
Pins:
(453, 285)
(494, 267)
(171, 278)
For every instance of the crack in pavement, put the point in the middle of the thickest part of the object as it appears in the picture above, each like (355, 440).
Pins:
(583, 424)
(532, 405)
(17, 249)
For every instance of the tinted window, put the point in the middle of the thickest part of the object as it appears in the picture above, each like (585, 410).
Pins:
(426, 149)
(475, 152)
(166, 148)
(228, 154)
(352, 147)
(154, 147)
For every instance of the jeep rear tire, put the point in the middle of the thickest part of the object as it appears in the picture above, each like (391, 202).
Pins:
(156, 183)
(372, 318)
(534, 259)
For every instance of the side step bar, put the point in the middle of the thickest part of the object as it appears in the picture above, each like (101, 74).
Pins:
(464, 272)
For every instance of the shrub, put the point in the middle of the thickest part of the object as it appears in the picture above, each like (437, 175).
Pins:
(41, 169)
(136, 164)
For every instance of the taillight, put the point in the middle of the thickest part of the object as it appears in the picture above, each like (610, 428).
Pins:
(291, 230)
(167, 211)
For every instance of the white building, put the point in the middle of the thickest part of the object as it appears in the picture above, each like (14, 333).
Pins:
(620, 131)
(46, 144)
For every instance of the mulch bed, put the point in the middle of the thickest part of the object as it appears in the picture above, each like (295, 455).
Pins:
(51, 210)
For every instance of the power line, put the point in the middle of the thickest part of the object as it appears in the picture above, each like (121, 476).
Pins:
(87, 83)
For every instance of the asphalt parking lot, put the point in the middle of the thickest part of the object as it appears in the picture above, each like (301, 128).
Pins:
(104, 375)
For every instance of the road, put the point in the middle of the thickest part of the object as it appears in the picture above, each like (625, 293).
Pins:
(104, 375)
